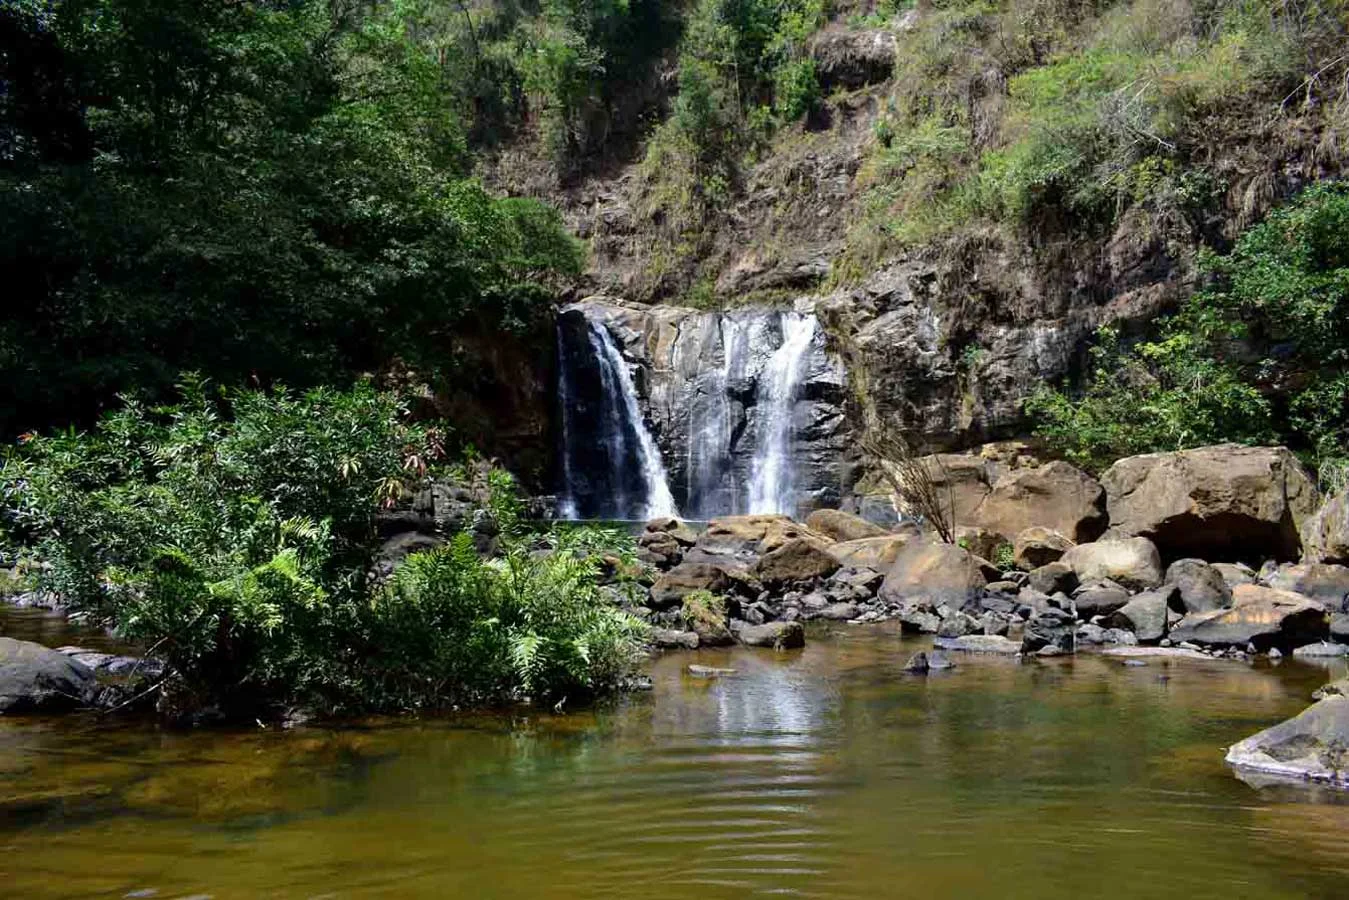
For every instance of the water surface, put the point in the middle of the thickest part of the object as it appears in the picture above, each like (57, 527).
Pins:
(821, 773)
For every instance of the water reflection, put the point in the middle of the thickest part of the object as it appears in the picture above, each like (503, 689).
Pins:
(822, 773)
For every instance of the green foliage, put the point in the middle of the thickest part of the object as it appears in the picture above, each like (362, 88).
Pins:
(1262, 355)
(233, 533)
(252, 190)
(704, 611)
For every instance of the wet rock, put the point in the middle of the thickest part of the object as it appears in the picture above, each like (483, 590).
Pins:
(1053, 578)
(1200, 587)
(669, 639)
(1223, 502)
(1121, 636)
(995, 623)
(1328, 584)
(777, 635)
(34, 678)
(1133, 563)
(841, 526)
(1260, 616)
(937, 661)
(1144, 615)
(1321, 650)
(113, 665)
(1311, 746)
(1089, 633)
(1036, 546)
(840, 612)
(1050, 625)
(1153, 652)
(934, 574)
(1325, 534)
(917, 664)
(708, 671)
(979, 643)
(671, 528)
(1337, 688)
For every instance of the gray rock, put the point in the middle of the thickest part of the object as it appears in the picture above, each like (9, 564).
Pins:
(979, 643)
(917, 664)
(995, 623)
(669, 639)
(1133, 563)
(1200, 587)
(1153, 652)
(777, 635)
(1120, 636)
(933, 574)
(708, 671)
(1036, 546)
(1321, 650)
(956, 624)
(1088, 633)
(937, 661)
(840, 612)
(1144, 615)
(1260, 616)
(1311, 746)
(1328, 584)
(34, 678)
(1099, 598)
(1053, 578)
(1235, 573)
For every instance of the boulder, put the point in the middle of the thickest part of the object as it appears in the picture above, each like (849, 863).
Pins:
(1099, 598)
(963, 481)
(671, 527)
(979, 643)
(668, 639)
(1325, 533)
(1133, 563)
(1200, 587)
(877, 553)
(840, 612)
(933, 573)
(1226, 502)
(1326, 583)
(673, 586)
(1311, 746)
(1056, 496)
(980, 541)
(777, 635)
(1321, 650)
(1235, 573)
(1036, 546)
(1053, 578)
(850, 58)
(1144, 615)
(34, 678)
(1261, 616)
(797, 559)
(841, 526)
(1050, 627)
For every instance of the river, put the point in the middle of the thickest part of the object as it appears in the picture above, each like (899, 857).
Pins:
(821, 773)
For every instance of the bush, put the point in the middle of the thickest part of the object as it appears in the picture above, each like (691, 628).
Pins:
(231, 535)
(1262, 355)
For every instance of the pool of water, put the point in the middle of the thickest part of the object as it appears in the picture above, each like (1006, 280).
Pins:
(821, 773)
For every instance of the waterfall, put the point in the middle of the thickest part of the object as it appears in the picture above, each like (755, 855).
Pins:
(770, 488)
(611, 467)
(710, 472)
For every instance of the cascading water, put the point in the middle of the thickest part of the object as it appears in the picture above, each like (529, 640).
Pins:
(603, 430)
(770, 488)
(711, 479)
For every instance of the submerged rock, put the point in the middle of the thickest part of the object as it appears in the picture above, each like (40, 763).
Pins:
(708, 671)
(979, 643)
(34, 678)
(1311, 746)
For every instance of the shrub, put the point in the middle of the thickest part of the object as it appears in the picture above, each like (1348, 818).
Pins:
(703, 610)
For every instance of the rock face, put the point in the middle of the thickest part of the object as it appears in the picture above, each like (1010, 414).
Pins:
(34, 678)
(1313, 745)
(1259, 615)
(1133, 563)
(1223, 503)
(1325, 534)
(933, 574)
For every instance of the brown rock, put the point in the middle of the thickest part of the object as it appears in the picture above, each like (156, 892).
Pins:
(980, 541)
(1325, 534)
(1131, 562)
(842, 526)
(1055, 495)
(797, 559)
(1259, 615)
(933, 574)
(877, 553)
(673, 586)
(1225, 502)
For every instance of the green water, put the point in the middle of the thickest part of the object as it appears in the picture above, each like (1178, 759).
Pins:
(823, 773)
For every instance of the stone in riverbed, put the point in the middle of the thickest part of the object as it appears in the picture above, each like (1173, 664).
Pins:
(777, 635)
(708, 671)
(1099, 598)
(797, 559)
(1259, 616)
(979, 643)
(1144, 615)
(1201, 587)
(1311, 746)
(669, 639)
(34, 678)
(934, 574)
(1321, 650)
(840, 612)
(917, 664)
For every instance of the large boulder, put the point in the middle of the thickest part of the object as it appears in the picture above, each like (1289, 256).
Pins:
(933, 574)
(1326, 583)
(673, 586)
(1099, 598)
(877, 553)
(1055, 496)
(1133, 563)
(798, 559)
(1144, 615)
(1311, 746)
(1259, 615)
(34, 678)
(1226, 502)
(1036, 546)
(842, 526)
(1325, 533)
(1200, 587)
(981, 542)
